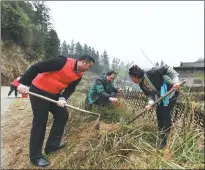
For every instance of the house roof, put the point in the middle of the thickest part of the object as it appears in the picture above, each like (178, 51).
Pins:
(192, 64)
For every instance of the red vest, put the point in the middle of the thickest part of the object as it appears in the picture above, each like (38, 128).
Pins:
(15, 82)
(56, 81)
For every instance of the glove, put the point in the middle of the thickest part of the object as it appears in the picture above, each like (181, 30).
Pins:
(61, 102)
(148, 107)
(22, 88)
(112, 99)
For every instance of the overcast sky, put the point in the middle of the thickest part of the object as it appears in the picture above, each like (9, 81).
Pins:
(171, 31)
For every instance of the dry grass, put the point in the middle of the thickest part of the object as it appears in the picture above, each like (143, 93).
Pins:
(115, 145)
(12, 63)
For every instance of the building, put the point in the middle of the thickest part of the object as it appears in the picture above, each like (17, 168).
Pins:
(192, 72)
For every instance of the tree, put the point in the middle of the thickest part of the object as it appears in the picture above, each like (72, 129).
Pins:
(96, 66)
(201, 59)
(42, 17)
(105, 62)
(78, 50)
(97, 62)
(85, 49)
(16, 26)
(64, 49)
(122, 70)
(71, 49)
(89, 50)
(52, 44)
(116, 64)
(27, 24)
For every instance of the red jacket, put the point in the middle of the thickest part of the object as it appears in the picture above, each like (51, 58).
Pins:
(55, 82)
(16, 82)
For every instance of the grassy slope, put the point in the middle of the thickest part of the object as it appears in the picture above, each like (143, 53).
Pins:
(12, 63)
(114, 146)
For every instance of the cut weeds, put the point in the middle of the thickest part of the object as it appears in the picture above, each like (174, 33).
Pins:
(116, 145)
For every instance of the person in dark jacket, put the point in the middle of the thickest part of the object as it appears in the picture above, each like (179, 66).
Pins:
(102, 92)
(13, 86)
(155, 83)
(57, 79)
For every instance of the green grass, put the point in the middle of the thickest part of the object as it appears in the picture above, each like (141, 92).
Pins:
(115, 146)
(134, 146)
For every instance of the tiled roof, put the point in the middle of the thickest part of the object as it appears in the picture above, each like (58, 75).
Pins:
(192, 64)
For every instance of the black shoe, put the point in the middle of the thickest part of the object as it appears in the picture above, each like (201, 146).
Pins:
(161, 146)
(41, 162)
(163, 141)
(49, 151)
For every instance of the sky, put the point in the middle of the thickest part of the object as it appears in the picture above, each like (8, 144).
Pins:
(172, 31)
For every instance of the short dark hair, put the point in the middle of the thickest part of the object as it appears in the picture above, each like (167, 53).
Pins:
(136, 71)
(109, 73)
(88, 58)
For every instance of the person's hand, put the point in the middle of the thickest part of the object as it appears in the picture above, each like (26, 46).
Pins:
(148, 107)
(176, 86)
(61, 102)
(22, 88)
(112, 99)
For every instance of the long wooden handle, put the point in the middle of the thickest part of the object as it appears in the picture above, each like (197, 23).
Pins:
(54, 101)
(157, 101)
(167, 94)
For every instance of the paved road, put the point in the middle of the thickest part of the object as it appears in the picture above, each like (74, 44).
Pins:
(5, 101)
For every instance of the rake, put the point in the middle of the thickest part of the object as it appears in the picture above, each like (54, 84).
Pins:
(157, 101)
(97, 124)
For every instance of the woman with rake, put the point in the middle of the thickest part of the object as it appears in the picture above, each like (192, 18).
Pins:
(155, 83)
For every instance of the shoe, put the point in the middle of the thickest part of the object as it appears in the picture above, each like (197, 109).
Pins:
(163, 141)
(41, 162)
(49, 151)
(161, 146)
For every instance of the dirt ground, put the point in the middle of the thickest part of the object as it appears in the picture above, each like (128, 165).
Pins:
(15, 133)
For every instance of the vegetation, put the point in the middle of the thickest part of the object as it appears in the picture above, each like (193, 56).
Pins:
(115, 145)
(27, 24)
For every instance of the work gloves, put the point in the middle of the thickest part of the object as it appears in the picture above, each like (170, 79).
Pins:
(23, 89)
(61, 102)
(112, 99)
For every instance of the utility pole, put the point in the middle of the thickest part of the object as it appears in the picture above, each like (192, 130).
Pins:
(128, 65)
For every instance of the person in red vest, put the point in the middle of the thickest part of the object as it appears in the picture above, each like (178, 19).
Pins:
(13, 86)
(57, 79)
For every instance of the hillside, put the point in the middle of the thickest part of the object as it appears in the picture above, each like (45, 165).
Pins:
(115, 145)
(13, 63)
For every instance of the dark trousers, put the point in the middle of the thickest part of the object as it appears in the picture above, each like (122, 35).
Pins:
(100, 102)
(164, 117)
(41, 109)
(13, 88)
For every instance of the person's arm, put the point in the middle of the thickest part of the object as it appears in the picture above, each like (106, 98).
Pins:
(170, 72)
(52, 64)
(173, 75)
(70, 89)
(113, 87)
(100, 89)
(18, 78)
(150, 99)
